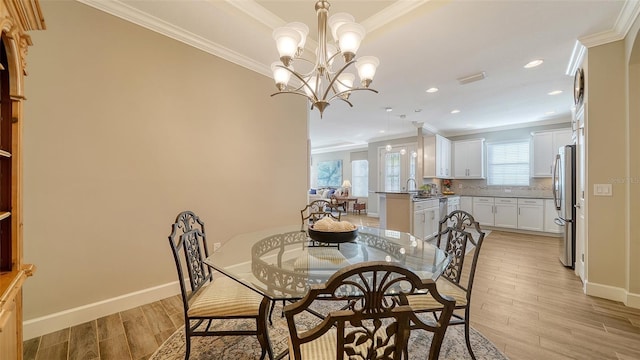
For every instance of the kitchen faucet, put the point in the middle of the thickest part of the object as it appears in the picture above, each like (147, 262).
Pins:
(415, 185)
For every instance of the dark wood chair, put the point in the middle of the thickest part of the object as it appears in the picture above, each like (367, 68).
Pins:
(457, 232)
(206, 299)
(373, 325)
(316, 210)
(337, 203)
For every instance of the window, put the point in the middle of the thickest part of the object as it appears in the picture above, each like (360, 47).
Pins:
(508, 163)
(392, 171)
(360, 178)
(396, 167)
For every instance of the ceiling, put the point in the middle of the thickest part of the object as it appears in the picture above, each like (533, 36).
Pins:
(420, 44)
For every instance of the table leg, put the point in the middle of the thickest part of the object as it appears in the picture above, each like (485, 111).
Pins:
(263, 328)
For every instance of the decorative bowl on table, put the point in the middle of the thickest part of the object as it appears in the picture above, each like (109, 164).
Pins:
(332, 237)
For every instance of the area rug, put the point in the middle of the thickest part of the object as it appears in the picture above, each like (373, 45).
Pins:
(247, 347)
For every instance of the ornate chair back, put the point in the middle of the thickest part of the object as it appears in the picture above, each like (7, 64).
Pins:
(374, 324)
(316, 210)
(457, 232)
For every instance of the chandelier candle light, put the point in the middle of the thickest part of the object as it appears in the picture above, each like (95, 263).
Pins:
(322, 84)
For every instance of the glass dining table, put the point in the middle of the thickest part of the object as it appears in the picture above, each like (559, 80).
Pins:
(282, 263)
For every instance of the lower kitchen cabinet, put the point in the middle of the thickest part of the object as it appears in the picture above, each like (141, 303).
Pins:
(512, 213)
(506, 213)
(483, 210)
(432, 222)
(531, 214)
(425, 219)
(419, 220)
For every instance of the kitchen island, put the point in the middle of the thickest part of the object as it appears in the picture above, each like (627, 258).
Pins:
(407, 212)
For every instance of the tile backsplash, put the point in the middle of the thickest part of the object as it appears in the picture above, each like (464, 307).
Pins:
(539, 187)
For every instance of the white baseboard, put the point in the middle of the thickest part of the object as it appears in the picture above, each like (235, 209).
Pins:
(633, 300)
(613, 293)
(53, 322)
(605, 291)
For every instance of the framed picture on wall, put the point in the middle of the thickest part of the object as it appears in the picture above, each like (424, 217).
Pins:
(330, 173)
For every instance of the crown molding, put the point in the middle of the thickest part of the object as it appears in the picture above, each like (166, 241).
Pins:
(390, 13)
(624, 22)
(133, 15)
(627, 16)
(257, 12)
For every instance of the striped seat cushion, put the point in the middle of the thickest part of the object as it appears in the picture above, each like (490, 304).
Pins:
(225, 297)
(445, 287)
(324, 347)
(322, 258)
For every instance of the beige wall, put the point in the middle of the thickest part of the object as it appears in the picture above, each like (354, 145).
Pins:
(606, 147)
(632, 45)
(123, 129)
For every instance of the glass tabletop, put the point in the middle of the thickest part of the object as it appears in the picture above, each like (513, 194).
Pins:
(282, 263)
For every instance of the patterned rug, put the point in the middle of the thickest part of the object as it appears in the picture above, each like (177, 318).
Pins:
(247, 347)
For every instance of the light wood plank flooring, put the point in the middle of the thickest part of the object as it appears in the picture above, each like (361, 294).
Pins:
(523, 300)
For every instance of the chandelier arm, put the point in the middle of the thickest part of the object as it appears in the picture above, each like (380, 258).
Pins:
(335, 77)
(304, 84)
(347, 91)
(294, 93)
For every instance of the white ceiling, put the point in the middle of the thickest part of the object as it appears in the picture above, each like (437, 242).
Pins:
(420, 44)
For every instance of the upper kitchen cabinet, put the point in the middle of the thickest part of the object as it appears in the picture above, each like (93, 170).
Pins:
(468, 159)
(545, 147)
(437, 157)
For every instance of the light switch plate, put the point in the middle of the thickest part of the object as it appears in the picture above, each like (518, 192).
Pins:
(602, 190)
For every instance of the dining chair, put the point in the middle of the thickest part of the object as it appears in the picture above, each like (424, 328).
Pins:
(457, 232)
(316, 210)
(206, 299)
(375, 323)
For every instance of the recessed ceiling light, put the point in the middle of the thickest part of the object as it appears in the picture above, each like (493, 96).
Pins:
(432, 90)
(533, 63)
(555, 92)
(381, 131)
(388, 109)
(550, 113)
(417, 110)
(455, 111)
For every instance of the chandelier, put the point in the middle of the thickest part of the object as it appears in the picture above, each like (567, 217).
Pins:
(322, 83)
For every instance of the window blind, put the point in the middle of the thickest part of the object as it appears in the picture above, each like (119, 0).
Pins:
(508, 163)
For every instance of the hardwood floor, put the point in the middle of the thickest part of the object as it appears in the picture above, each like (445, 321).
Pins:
(524, 301)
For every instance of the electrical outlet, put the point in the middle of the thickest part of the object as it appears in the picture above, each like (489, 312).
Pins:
(216, 246)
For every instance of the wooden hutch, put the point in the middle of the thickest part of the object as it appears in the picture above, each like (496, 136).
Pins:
(17, 17)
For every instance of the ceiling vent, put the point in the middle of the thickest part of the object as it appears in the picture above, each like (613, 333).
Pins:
(471, 78)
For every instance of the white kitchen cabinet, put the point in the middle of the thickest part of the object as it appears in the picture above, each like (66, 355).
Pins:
(466, 204)
(419, 219)
(506, 213)
(425, 219)
(437, 157)
(468, 158)
(483, 210)
(531, 214)
(550, 215)
(545, 146)
(432, 219)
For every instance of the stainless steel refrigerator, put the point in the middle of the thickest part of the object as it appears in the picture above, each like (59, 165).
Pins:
(564, 195)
